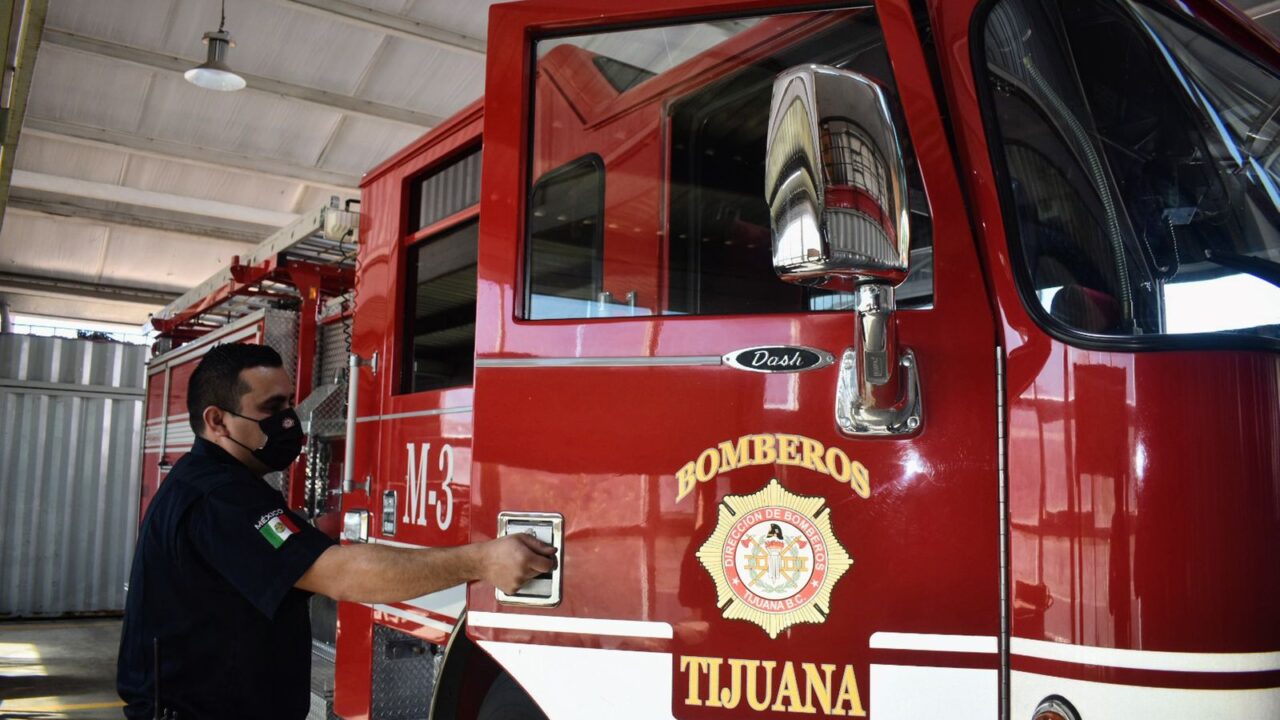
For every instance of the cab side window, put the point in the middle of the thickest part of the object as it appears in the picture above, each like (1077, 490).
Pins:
(676, 117)
(439, 302)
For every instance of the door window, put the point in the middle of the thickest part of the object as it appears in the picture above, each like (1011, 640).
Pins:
(1140, 172)
(670, 217)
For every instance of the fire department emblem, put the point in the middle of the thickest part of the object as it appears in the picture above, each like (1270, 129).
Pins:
(774, 558)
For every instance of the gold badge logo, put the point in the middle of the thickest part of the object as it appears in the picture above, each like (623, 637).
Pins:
(774, 558)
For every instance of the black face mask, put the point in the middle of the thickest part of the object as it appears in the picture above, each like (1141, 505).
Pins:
(284, 439)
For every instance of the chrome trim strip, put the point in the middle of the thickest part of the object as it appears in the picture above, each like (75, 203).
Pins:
(680, 361)
(1002, 478)
(416, 413)
(571, 625)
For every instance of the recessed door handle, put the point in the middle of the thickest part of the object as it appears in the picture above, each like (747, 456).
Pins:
(543, 590)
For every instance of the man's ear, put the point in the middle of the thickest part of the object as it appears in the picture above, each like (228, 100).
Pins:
(215, 422)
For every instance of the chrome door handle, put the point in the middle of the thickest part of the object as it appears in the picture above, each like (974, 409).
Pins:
(543, 590)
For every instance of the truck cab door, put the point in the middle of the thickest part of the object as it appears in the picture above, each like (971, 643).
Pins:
(653, 397)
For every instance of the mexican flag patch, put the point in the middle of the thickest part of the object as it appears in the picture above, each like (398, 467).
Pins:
(276, 527)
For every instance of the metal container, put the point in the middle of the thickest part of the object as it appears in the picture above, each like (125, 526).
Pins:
(70, 443)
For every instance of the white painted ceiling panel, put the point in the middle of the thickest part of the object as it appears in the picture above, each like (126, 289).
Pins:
(146, 129)
(363, 139)
(128, 22)
(243, 122)
(228, 186)
(68, 159)
(164, 261)
(467, 18)
(87, 90)
(425, 77)
(40, 245)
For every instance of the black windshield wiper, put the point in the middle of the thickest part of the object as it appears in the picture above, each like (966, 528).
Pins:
(1268, 270)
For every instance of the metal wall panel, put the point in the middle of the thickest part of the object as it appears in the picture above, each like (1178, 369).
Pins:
(70, 435)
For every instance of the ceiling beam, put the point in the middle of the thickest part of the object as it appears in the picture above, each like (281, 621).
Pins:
(105, 192)
(258, 83)
(194, 154)
(21, 29)
(114, 213)
(58, 287)
(396, 25)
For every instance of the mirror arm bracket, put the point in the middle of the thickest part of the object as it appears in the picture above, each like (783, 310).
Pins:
(878, 391)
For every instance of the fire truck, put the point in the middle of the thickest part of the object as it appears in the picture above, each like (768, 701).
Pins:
(915, 359)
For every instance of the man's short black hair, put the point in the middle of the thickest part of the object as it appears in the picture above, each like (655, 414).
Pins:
(216, 380)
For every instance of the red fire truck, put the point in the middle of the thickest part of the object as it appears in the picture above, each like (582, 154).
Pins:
(916, 360)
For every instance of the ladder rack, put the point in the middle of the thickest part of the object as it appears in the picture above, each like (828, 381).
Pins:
(278, 271)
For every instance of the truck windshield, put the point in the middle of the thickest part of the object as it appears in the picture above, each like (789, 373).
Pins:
(1141, 161)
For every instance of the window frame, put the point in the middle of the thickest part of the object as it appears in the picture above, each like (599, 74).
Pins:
(409, 238)
(1055, 328)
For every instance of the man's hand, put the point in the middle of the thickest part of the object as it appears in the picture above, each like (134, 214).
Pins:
(510, 562)
(380, 574)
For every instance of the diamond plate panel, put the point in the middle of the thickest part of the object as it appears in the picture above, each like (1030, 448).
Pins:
(280, 332)
(404, 675)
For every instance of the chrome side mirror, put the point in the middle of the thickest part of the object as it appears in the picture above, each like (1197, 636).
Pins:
(835, 180)
(836, 186)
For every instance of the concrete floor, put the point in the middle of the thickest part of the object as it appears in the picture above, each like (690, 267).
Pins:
(59, 669)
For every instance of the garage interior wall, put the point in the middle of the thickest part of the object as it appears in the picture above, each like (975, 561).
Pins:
(70, 443)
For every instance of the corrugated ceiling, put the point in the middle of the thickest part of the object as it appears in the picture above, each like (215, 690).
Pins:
(129, 180)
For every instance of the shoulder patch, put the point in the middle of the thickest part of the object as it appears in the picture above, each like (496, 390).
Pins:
(276, 527)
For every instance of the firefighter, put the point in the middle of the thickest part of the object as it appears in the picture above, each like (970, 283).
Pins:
(216, 621)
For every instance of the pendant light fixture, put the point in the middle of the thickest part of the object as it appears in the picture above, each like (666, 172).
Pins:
(214, 74)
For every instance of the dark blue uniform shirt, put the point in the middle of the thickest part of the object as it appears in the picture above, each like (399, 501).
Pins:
(212, 588)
